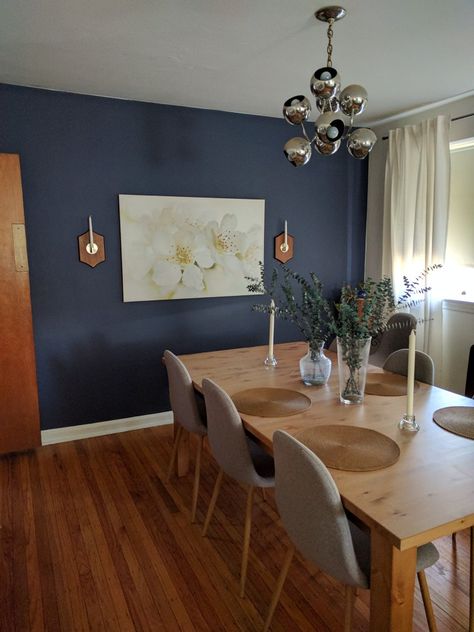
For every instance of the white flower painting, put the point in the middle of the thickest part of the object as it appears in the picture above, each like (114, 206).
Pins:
(181, 247)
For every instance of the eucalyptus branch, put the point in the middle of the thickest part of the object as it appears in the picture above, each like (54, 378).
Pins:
(297, 300)
(364, 311)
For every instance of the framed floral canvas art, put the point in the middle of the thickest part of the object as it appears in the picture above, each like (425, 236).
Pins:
(183, 247)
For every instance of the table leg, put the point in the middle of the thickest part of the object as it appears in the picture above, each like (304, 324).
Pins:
(182, 456)
(471, 583)
(392, 586)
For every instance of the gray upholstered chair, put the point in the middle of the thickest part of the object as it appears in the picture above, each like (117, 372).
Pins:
(469, 390)
(397, 362)
(238, 456)
(311, 510)
(189, 414)
(394, 337)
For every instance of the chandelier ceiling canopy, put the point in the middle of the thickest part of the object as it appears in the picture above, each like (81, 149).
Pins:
(337, 109)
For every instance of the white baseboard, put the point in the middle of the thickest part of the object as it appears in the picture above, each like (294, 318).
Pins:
(71, 433)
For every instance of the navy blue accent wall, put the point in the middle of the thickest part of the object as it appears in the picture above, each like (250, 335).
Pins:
(97, 357)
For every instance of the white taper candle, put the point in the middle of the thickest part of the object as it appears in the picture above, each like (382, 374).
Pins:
(91, 234)
(411, 372)
(271, 331)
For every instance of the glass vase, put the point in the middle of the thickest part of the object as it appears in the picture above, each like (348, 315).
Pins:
(352, 360)
(315, 367)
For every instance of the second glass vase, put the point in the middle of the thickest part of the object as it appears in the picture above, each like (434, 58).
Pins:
(315, 367)
(352, 359)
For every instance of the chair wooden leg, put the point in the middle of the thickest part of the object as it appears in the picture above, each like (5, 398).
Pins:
(247, 529)
(425, 594)
(177, 439)
(453, 539)
(197, 475)
(279, 587)
(212, 504)
(471, 585)
(181, 465)
(349, 608)
(263, 494)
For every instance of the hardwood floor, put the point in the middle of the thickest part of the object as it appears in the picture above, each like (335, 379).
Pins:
(93, 538)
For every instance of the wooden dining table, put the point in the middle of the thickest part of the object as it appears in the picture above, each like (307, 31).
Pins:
(426, 494)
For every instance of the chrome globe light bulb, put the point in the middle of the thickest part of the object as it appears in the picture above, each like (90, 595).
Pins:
(296, 109)
(353, 100)
(326, 149)
(329, 127)
(298, 151)
(325, 83)
(334, 106)
(361, 142)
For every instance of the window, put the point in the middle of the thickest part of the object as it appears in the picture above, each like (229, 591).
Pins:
(459, 263)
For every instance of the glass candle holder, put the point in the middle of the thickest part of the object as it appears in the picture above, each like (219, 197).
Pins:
(408, 423)
(270, 361)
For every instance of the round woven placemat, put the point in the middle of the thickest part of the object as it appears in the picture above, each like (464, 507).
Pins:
(270, 402)
(350, 447)
(456, 419)
(387, 384)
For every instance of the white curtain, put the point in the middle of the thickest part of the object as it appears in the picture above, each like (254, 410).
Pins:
(416, 204)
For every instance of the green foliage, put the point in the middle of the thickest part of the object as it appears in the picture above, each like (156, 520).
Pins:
(416, 287)
(362, 311)
(298, 300)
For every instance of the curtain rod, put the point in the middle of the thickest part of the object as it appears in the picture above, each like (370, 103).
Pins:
(456, 118)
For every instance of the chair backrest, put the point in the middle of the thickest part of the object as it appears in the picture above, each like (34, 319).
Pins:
(395, 337)
(397, 362)
(226, 435)
(183, 396)
(469, 391)
(311, 510)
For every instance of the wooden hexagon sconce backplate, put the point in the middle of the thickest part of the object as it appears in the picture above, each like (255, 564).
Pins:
(279, 255)
(84, 256)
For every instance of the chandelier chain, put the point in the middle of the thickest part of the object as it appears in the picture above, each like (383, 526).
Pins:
(329, 48)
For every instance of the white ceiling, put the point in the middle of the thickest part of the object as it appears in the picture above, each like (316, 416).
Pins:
(238, 55)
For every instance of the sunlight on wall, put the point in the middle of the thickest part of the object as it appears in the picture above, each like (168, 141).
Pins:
(458, 273)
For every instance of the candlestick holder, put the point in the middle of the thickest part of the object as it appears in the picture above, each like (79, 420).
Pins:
(408, 422)
(270, 360)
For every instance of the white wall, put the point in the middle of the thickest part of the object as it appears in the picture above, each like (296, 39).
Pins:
(458, 336)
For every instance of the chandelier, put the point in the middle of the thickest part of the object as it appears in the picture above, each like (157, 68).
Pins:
(337, 109)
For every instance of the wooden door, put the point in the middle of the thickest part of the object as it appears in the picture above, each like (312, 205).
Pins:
(19, 413)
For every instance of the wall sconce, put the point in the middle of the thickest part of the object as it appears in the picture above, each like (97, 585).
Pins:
(284, 246)
(91, 247)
